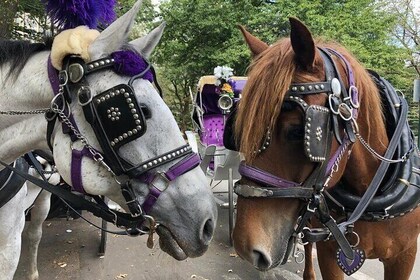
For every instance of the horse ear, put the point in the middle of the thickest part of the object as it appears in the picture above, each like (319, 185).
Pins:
(302, 43)
(146, 44)
(255, 45)
(114, 36)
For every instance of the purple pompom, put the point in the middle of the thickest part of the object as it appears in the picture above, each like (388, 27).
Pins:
(107, 11)
(72, 13)
(130, 64)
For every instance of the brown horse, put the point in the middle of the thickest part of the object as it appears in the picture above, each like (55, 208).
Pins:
(314, 130)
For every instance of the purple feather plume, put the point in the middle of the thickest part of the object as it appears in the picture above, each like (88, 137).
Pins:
(72, 13)
(130, 63)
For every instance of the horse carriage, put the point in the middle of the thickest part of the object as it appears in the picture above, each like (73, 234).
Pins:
(215, 98)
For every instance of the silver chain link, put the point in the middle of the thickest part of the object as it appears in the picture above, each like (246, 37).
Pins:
(18, 113)
(335, 166)
(378, 156)
(62, 116)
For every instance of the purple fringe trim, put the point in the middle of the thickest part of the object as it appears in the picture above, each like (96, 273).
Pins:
(130, 64)
(68, 14)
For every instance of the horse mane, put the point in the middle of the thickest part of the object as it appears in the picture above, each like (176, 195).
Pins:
(17, 53)
(269, 78)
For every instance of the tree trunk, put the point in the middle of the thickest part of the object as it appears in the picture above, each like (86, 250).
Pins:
(7, 15)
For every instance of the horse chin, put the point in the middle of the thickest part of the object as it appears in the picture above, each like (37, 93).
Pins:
(169, 245)
(283, 259)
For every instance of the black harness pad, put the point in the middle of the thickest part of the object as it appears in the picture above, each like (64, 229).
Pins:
(399, 192)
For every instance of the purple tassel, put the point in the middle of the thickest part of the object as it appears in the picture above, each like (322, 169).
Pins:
(130, 64)
(72, 13)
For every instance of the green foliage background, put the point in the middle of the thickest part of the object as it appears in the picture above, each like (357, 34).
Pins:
(202, 34)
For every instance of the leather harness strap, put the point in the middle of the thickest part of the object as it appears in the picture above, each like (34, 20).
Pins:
(380, 173)
(11, 182)
(117, 218)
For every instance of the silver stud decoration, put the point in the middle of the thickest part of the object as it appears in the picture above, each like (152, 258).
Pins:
(318, 133)
(100, 63)
(309, 87)
(113, 114)
(266, 142)
(165, 157)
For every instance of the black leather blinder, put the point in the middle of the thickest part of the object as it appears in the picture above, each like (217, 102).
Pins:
(317, 128)
(117, 119)
(118, 115)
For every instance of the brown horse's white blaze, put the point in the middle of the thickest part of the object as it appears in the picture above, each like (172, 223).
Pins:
(264, 227)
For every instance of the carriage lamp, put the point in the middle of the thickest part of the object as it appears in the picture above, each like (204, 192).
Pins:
(225, 103)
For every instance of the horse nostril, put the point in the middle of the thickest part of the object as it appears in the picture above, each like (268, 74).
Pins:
(207, 233)
(261, 260)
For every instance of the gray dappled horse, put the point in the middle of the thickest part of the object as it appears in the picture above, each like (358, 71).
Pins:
(156, 171)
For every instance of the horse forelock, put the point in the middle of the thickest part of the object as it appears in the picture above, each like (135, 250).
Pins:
(270, 74)
(269, 78)
(17, 53)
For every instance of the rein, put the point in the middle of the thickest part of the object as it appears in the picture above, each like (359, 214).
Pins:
(342, 106)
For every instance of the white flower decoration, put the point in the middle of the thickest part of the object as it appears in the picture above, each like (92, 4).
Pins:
(222, 73)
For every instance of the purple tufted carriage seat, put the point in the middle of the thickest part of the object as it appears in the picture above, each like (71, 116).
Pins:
(213, 119)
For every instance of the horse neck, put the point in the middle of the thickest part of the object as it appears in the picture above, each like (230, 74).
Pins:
(30, 90)
(361, 161)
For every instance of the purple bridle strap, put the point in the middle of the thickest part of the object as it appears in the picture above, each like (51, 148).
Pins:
(355, 99)
(186, 164)
(350, 77)
(55, 84)
(76, 168)
(77, 156)
(52, 75)
(263, 177)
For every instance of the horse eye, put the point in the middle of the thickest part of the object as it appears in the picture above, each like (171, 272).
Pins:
(288, 106)
(295, 133)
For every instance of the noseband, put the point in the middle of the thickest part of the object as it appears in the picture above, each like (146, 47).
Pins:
(117, 118)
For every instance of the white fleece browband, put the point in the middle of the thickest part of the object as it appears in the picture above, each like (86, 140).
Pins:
(72, 41)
